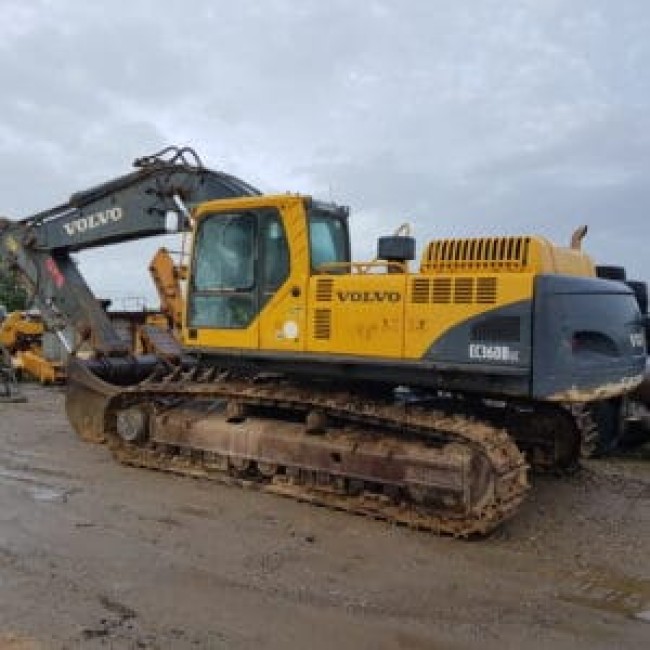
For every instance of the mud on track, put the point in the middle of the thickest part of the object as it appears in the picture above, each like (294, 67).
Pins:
(96, 555)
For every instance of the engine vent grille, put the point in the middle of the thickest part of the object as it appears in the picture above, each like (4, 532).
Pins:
(441, 291)
(464, 290)
(486, 253)
(322, 324)
(420, 290)
(486, 291)
(324, 289)
(458, 290)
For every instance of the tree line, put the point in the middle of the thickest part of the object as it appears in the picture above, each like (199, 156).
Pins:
(12, 295)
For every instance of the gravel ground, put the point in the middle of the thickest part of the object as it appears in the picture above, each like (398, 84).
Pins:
(97, 555)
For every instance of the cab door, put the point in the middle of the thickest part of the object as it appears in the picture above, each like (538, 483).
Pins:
(282, 280)
(224, 292)
(242, 292)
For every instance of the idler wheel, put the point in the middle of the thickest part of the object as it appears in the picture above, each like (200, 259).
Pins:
(132, 425)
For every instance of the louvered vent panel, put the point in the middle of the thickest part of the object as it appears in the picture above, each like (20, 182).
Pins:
(504, 253)
(461, 290)
(464, 290)
(322, 324)
(324, 289)
(442, 290)
(420, 290)
(486, 291)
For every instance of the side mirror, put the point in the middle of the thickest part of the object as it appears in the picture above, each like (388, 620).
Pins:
(173, 221)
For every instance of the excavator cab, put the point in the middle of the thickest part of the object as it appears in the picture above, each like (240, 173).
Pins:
(250, 268)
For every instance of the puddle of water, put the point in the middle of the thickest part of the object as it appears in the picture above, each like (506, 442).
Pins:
(617, 594)
(643, 616)
(38, 490)
(197, 511)
(28, 464)
(15, 475)
(48, 494)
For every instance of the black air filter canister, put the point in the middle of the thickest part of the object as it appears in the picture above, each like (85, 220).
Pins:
(396, 248)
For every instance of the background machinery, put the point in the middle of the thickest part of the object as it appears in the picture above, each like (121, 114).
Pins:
(632, 415)
(8, 384)
(167, 275)
(21, 334)
(9, 390)
(405, 395)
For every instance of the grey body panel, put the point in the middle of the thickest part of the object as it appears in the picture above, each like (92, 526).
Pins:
(587, 335)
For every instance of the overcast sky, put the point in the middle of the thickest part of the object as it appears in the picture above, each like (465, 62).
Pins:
(465, 118)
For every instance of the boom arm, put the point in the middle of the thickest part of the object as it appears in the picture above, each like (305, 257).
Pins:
(133, 206)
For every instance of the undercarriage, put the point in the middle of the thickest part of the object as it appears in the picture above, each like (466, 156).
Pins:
(443, 464)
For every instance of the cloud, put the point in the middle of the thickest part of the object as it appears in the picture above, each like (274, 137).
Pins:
(464, 117)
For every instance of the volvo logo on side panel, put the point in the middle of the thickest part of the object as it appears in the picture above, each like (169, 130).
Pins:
(369, 296)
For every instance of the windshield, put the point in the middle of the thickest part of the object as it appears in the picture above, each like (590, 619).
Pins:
(328, 238)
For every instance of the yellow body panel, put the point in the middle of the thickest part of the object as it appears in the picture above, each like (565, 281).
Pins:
(401, 315)
(283, 320)
(357, 314)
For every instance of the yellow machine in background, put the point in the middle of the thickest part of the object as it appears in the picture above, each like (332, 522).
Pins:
(21, 334)
(167, 276)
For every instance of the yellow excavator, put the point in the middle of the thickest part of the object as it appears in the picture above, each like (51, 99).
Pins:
(21, 334)
(9, 390)
(419, 394)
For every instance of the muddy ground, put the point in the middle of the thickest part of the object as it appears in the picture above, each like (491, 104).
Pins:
(97, 555)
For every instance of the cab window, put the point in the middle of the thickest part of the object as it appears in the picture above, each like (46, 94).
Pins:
(328, 240)
(225, 253)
